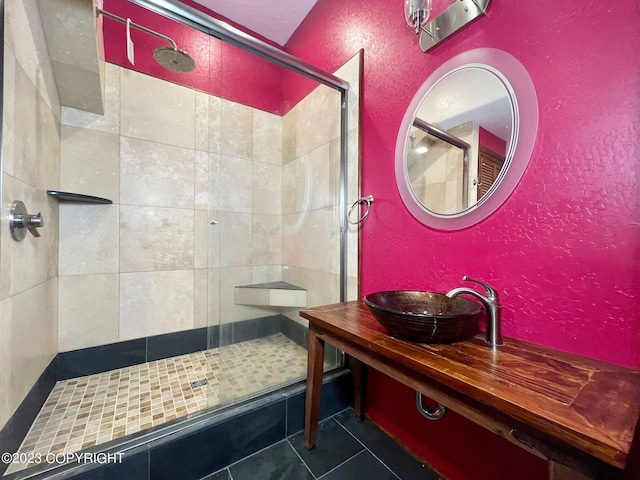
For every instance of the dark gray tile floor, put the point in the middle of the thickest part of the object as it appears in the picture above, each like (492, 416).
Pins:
(346, 450)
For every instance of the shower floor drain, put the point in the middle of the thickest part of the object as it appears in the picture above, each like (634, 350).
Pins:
(199, 383)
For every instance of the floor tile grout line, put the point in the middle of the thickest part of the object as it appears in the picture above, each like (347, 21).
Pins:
(338, 466)
(385, 465)
(228, 467)
(349, 432)
(301, 459)
(332, 417)
(367, 449)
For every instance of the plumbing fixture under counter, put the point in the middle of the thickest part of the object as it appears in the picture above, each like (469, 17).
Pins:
(433, 414)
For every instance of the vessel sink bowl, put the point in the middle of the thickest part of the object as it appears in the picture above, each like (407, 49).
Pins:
(426, 317)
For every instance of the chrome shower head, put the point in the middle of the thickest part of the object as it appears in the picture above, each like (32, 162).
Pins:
(174, 59)
(169, 57)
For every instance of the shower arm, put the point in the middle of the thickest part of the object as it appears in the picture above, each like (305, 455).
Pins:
(99, 12)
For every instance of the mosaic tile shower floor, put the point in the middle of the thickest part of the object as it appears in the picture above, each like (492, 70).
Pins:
(86, 411)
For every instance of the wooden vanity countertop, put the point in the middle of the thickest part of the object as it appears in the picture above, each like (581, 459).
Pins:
(585, 403)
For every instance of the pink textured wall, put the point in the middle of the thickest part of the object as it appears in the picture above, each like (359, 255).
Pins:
(489, 140)
(563, 251)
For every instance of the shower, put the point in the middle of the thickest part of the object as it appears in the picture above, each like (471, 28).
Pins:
(174, 59)
(190, 317)
(171, 58)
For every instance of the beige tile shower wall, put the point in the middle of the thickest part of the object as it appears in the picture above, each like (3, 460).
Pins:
(311, 189)
(31, 160)
(247, 242)
(311, 172)
(151, 263)
(172, 159)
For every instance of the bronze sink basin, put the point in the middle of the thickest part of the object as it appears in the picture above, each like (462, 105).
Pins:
(426, 317)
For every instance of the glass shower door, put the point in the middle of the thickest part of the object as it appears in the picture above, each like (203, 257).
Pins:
(275, 247)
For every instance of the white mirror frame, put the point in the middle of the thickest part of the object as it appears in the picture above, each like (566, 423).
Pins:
(525, 110)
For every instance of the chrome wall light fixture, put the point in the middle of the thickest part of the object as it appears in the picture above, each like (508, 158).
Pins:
(417, 13)
(453, 19)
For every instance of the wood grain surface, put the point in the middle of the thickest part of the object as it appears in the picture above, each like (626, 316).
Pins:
(576, 401)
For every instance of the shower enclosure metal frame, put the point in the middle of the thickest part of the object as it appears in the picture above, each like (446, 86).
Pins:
(204, 23)
(1, 88)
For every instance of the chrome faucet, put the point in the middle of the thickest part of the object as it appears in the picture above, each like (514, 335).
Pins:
(491, 304)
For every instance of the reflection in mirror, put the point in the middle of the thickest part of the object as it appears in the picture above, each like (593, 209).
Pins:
(466, 139)
(459, 140)
(437, 164)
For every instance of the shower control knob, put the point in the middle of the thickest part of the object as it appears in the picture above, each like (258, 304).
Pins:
(31, 222)
(20, 221)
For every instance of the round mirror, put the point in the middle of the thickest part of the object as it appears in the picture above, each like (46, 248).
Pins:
(466, 139)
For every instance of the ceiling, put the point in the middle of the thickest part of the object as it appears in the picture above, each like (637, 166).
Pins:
(273, 19)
